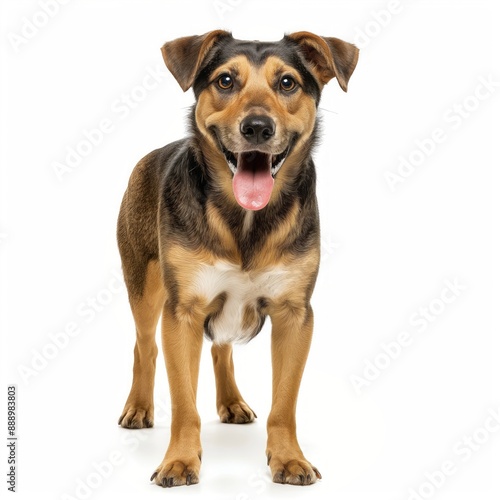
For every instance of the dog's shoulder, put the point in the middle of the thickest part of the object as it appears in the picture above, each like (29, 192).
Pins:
(160, 161)
(169, 170)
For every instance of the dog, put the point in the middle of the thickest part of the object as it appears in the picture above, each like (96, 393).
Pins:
(219, 230)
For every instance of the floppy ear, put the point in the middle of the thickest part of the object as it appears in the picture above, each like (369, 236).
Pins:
(329, 57)
(184, 56)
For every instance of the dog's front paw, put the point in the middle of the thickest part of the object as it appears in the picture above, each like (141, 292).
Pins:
(236, 413)
(296, 471)
(136, 417)
(177, 472)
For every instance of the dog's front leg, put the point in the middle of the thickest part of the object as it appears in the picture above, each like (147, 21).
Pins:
(182, 339)
(291, 339)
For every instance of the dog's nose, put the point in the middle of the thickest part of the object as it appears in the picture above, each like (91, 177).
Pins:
(257, 129)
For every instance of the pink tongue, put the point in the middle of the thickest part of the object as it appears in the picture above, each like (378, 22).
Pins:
(253, 182)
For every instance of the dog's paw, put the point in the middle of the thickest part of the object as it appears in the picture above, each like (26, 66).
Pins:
(177, 472)
(294, 471)
(136, 417)
(236, 413)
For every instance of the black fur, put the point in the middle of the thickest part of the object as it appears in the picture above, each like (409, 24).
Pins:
(257, 53)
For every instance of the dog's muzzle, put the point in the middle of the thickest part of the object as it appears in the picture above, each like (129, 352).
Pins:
(253, 166)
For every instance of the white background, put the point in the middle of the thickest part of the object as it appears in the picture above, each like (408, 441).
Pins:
(386, 253)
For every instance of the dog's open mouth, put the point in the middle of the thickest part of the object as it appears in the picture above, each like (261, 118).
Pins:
(253, 178)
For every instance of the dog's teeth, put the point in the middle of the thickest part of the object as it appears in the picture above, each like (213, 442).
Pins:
(232, 167)
(276, 168)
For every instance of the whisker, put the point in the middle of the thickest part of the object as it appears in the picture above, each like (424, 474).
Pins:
(328, 111)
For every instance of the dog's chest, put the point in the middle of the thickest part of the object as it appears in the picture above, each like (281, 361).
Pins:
(241, 296)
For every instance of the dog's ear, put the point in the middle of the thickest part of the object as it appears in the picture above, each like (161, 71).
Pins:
(184, 56)
(329, 57)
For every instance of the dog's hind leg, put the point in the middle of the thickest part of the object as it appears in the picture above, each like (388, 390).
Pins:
(146, 308)
(231, 407)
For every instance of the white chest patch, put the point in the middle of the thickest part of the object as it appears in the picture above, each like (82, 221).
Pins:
(239, 320)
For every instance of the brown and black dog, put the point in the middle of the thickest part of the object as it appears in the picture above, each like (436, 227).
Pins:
(220, 230)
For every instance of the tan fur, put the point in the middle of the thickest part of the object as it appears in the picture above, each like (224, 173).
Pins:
(220, 228)
(230, 404)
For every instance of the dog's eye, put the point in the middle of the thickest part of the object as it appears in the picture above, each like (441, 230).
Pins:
(287, 83)
(225, 82)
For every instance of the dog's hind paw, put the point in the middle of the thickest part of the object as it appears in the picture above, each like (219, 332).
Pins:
(136, 418)
(295, 471)
(236, 413)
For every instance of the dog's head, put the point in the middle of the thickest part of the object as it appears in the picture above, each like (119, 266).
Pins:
(257, 101)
